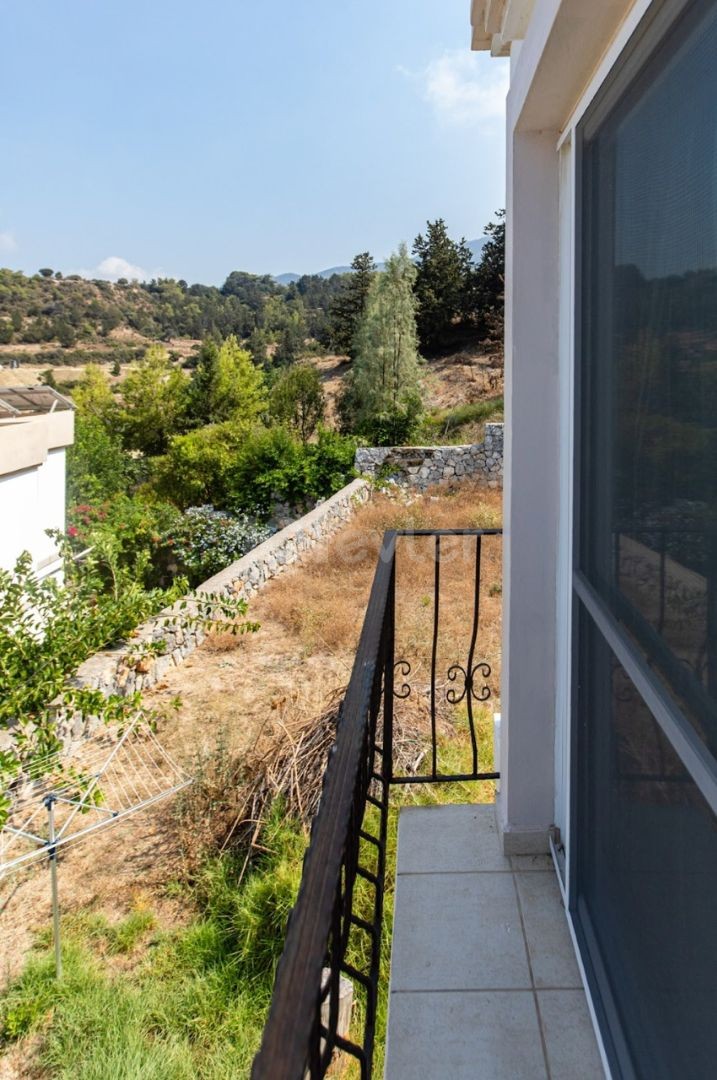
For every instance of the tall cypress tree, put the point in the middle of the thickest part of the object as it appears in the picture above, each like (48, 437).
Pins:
(384, 392)
(489, 281)
(443, 277)
(349, 305)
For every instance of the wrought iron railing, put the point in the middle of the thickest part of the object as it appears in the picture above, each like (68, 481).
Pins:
(330, 936)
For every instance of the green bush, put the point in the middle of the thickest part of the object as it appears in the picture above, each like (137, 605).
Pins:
(204, 540)
(135, 529)
(250, 470)
(97, 465)
(397, 427)
(276, 467)
(198, 467)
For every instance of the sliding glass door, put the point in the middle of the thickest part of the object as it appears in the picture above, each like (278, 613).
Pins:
(644, 890)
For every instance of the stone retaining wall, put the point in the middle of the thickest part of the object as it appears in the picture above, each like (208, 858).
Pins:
(121, 670)
(423, 466)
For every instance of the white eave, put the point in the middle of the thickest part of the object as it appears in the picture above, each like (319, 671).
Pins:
(498, 23)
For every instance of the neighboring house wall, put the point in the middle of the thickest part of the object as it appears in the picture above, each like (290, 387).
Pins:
(422, 466)
(32, 488)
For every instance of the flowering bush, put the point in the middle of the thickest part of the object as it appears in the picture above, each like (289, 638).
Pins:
(134, 528)
(206, 540)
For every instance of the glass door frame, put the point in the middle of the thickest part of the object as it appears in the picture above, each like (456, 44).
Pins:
(650, 25)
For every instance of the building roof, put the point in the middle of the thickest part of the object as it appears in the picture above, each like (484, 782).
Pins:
(31, 400)
(498, 23)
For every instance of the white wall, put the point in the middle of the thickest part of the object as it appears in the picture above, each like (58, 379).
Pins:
(31, 501)
(566, 45)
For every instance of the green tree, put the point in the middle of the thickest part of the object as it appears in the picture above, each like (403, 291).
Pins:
(297, 399)
(226, 384)
(383, 398)
(65, 334)
(94, 399)
(350, 303)
(98, 466)
(6, 332)
(45, 272)
(201, 381)
(155, 396)
(238, 389)
(258, 346)
(290, 342)
(47, 378)
(488, 286)
(443, 280)
(198, 466)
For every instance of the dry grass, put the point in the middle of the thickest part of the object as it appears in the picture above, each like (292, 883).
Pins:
(323, 605)
(234, 797)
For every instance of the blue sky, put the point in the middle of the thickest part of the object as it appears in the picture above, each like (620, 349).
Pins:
(192, 138)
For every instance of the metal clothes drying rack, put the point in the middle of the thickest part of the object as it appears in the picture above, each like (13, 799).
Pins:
(67, 798)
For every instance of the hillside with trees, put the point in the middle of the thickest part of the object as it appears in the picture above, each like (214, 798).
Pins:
(181, 462)
(50, 319)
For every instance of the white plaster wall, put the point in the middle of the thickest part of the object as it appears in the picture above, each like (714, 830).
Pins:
(31, 501)
(566, 44)
(530, 493)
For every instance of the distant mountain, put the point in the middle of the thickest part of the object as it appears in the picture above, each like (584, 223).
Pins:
(475, 247)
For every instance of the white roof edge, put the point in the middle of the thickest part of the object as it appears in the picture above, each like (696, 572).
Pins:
(498, 23)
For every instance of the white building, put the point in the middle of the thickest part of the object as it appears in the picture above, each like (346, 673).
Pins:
(609, 738)
(577, 939)
(36, 427)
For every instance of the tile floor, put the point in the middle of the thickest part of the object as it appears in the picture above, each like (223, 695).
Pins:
(484, 983)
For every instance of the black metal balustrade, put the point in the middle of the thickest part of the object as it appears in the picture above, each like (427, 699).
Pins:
(348, 834)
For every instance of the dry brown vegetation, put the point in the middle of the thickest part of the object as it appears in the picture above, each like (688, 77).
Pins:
(460, 379)
(262, 696)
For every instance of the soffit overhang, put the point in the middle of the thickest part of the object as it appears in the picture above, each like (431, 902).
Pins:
(496, 24)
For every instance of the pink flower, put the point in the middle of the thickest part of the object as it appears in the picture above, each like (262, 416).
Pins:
(73, 531)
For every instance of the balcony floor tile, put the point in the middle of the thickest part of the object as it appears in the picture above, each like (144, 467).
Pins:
(459, 932)
(462, 838)
(484, 981)
(490, 1034)
(552, 956)
(569, 1037)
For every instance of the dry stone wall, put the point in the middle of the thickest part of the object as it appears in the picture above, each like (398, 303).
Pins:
(424, 466)
(129, 666)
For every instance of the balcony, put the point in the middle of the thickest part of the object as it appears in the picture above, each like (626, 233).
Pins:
(483, 977)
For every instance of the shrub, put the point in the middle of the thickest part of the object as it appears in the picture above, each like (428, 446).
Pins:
(249, 470)
(297, 399)
(206, 540)
(198, 466)
(48, 629)
(275, 467)
(134, 529)
(395, 427)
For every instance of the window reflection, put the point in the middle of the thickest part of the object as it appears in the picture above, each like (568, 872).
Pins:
(648, 870)
(650, 513)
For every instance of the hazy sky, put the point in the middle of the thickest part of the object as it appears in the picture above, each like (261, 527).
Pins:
(192, 138)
